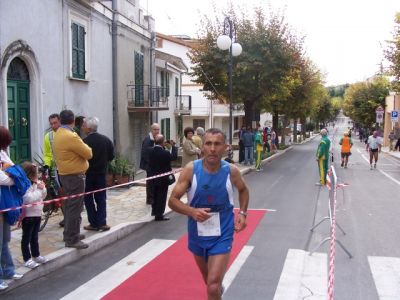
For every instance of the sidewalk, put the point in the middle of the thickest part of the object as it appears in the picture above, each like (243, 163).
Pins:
(126, 212)
(395, 154)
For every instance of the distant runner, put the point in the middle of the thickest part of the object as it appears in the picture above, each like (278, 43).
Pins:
(346, 142)
(374, 147)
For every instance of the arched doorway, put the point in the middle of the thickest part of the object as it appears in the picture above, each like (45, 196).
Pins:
(18, 110)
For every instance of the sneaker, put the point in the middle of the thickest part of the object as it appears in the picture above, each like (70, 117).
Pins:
(81, 236)
(342, 164)
(318, 184)
(3, 285)
(77, 245)
(104, 228)
(17, 276)
(31, 264)
(375, 166)
(371, 167)
(90, 227)
(40, 259)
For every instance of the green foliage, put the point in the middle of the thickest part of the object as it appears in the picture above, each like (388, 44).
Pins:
(362, 98)
(392, 54)
(121, 165)
(272, 74)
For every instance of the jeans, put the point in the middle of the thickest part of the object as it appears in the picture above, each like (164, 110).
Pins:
(30, 237)
(73, 184)
(96, 203)
(248, 155)
(7, 269)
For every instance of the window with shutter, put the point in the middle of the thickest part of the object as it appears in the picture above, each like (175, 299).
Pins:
(139, 79)
(78, 50)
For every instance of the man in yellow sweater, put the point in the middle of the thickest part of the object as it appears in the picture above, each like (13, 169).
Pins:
(71, 155)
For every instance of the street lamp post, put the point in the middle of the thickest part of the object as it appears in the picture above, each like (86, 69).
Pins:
(225, 42)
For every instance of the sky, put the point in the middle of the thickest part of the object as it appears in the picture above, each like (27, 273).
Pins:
(344, 38)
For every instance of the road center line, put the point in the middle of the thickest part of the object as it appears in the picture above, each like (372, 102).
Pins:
(237, 265)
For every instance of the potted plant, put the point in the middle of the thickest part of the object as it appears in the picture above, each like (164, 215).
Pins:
(120, 171)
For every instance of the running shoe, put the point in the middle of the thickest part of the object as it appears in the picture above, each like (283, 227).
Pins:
(40, 259)
(31, 264)
(3, 285)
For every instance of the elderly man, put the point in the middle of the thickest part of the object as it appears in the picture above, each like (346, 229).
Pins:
(374, 145)
(198, 137)
(323, 156)
(103, 153)
(211, 221)
(72, 156)
(160, 162)
(147, 146)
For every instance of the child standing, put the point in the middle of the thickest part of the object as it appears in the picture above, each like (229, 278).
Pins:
(32, 217)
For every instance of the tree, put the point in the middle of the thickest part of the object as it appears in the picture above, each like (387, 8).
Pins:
(264, 74)
(362, 98)
(392, 54)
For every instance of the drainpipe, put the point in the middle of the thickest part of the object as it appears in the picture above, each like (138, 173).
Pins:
(152, 48)
(115, 76)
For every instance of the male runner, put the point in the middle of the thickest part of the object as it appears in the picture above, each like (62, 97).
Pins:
(211, 222)
(374, 147)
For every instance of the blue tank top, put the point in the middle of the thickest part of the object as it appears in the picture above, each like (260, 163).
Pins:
(214, 191)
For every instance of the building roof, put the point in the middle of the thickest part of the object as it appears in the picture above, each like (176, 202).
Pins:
(184, 40)
(172, 59)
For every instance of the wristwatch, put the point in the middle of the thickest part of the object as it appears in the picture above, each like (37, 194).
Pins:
(243, 213)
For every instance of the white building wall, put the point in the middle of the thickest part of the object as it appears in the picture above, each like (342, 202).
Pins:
(45, 28)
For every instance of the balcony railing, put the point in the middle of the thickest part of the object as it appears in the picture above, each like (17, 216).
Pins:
(183, 104)
(143, 97)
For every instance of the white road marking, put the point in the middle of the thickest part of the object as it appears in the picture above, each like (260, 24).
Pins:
(106, 281)
(237, 265)
(303, 276)
(386, 273)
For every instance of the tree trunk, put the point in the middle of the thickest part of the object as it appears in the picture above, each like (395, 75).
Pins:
(295, 131)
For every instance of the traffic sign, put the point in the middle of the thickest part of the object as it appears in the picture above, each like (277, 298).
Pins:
(395, 116)
(379, 109)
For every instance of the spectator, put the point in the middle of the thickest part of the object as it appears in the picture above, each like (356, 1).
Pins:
(48, 158)
(72, 156)
(198, 137)
(323, 156)
(248, 143)
(258, 142)
(190, 151)
(103, 153)
(160, 162)
(265, 140)
(241, 146)
(274, 143)
(7, 268)
(147, 146)
(31, 218)
(392, 139)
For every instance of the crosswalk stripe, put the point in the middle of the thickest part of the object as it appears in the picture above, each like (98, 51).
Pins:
(236, 266)
(303, 276)
(386, 274)
(106, 281)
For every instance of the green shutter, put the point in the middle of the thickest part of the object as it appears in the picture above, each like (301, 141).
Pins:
(167, 83)
(176, 86)
(139, 79)
(78, 51)
(168, 129)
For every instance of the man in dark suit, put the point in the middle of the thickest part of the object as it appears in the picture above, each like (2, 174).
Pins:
(103, 153)
(160, 162)
(147, 146)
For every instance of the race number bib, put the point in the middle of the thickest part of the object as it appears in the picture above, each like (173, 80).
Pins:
(210, 227)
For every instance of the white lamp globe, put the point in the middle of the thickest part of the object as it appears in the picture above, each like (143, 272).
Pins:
(224, 42)
(236, 49)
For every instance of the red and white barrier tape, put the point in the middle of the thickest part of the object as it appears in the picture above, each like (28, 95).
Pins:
(90, 192)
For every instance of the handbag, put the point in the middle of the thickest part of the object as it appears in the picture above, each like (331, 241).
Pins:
(171, 179)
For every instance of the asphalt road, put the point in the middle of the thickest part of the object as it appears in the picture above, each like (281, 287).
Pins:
(367, 210)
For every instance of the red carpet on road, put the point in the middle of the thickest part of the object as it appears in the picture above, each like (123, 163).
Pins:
(173, 274)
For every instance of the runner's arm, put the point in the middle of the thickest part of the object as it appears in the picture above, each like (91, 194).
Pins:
(180, 188)
(244, 197)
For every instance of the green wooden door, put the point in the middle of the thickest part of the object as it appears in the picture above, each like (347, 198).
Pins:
(18, 119)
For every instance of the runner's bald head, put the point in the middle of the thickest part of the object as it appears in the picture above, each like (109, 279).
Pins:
(324, 132)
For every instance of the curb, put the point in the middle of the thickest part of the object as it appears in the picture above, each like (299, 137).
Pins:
(65, 256)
